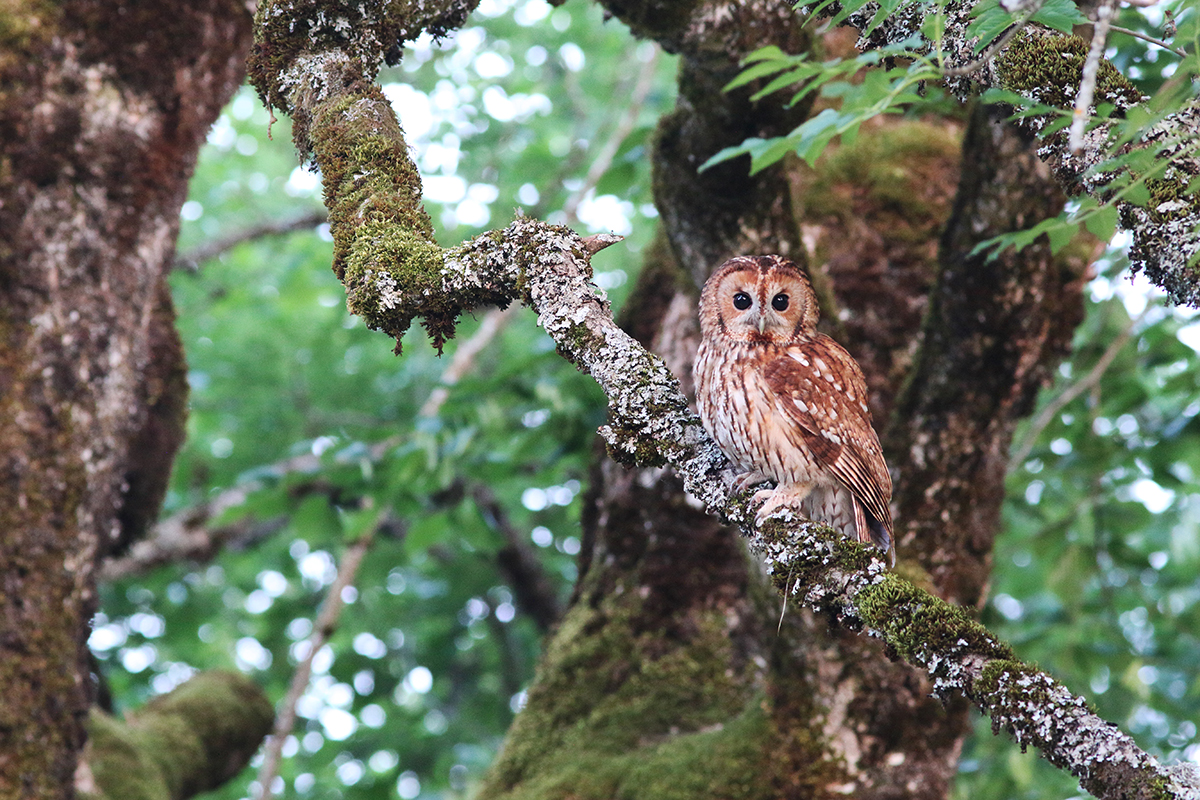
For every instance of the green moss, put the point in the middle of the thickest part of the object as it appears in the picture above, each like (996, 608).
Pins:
(1172, 190)
(914, 622)
(1050, 67)
(884, 170)
(120, 765)
(615, 713)
(182, 743)
(383, 239)
(286, 29)
(25, 25)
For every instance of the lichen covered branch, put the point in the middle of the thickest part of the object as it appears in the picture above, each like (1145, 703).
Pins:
(835, 575)
(650, 423)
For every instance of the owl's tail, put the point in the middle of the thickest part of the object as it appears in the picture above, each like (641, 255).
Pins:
(873, 530)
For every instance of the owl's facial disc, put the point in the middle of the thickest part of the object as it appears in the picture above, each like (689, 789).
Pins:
(758, 318)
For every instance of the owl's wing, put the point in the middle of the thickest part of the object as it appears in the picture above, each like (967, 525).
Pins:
(821, 388)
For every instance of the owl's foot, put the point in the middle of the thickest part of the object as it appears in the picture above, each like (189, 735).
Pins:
(745, 480)
(774, 499)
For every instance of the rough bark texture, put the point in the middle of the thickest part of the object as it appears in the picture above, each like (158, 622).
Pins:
(995, 332)
(667, 677)
(103, 109)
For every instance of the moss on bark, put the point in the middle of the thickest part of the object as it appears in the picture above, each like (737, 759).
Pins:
(187, 741)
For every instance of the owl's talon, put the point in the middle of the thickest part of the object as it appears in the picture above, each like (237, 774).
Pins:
(772, 500)
(747, 479)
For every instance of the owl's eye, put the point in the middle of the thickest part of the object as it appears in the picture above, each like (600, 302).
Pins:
(741, 301)
(779, 302)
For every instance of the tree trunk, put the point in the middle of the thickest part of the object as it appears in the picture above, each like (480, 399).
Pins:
(675, 670)
(105, 105)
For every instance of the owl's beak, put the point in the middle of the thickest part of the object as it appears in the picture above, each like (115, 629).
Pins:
(762, 323)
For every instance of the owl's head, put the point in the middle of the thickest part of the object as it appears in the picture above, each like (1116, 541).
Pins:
(758, 299)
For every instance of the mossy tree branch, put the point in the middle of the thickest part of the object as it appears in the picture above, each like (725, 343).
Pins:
(188, 741)
(394, 272)
(1047, 67)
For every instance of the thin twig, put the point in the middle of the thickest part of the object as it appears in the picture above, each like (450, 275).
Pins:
(326, 624)
(464, 356)
(1047, 414)
(1139, 35)
(1091, 68)
(192, 259)
(995, 47)
(187, 535)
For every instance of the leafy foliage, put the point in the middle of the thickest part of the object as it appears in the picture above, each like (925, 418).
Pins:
(861, 93)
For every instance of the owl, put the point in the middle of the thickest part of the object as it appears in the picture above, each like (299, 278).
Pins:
(788, 404)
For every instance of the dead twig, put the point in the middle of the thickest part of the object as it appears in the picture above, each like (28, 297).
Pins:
(326, 624)
(192, 259)
(1047, 414)
(1139, 35)
(1091, 68)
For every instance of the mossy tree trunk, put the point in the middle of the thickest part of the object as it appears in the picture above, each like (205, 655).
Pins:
(104, 107)
(673, 674)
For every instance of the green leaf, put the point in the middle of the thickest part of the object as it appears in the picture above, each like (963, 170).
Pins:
(768, 53)
(771, 151)
(1138, 194)
(797, 75)
(358, 523)
(426, 531)
(1061, 15)
(1060, 234)
(989, 22)
(1102, 222)
(996, 96)
(759, 70)
(886, 9)
(816, 133)
(1055, 125)
(727, 153)
(848, 7)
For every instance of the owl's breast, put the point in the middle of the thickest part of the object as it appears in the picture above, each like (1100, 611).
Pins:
(746, 418)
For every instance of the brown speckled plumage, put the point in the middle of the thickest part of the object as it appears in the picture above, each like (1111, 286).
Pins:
(787, 403)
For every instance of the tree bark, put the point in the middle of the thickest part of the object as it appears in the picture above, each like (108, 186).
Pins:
(104, 108)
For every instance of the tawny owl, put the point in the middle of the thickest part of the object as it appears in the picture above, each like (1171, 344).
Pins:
(789, 404)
